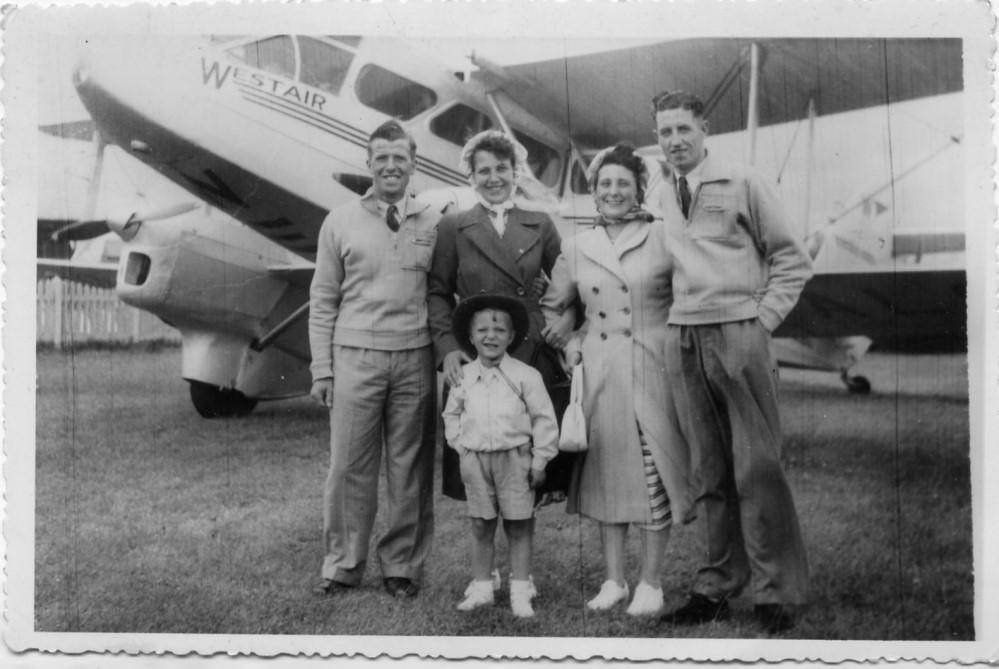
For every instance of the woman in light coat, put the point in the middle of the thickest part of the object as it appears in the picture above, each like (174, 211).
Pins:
(636, 467)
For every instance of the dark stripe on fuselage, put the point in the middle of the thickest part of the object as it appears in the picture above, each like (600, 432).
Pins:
(340, 129)
(122, 123)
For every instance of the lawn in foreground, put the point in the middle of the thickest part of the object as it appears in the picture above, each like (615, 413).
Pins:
(151, 519)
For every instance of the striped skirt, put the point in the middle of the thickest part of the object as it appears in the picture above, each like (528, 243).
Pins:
(658, 501)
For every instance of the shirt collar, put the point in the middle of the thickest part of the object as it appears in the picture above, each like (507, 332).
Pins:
(375, 205)
(480, 370)
(501, 208)
(694, 176)
(400, 207)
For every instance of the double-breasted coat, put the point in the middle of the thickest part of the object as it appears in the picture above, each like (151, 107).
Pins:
(471, 258)
(625, 287)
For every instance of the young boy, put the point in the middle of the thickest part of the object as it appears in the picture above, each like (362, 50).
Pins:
(501, 421)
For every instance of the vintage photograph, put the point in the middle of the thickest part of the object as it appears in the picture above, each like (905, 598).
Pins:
(460, 332)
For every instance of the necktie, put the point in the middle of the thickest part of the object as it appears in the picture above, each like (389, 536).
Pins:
(684, 196)
(392, 218)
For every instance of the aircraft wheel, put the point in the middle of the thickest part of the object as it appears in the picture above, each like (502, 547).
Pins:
(857, 385)
(213, 402)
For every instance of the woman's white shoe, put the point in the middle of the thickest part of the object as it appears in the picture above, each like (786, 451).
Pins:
(610, 594)
(647, 601)
(478, 593)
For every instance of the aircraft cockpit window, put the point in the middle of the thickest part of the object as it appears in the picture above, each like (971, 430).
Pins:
(323, 65)
(392, 94)
(459, 124)
(274, 54)
(543, 160)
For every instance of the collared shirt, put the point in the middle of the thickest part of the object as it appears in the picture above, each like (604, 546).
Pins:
(485, 414)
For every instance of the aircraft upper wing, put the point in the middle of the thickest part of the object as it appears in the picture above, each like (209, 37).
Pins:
(604, 97)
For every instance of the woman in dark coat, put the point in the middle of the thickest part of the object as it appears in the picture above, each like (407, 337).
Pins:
(497, 247)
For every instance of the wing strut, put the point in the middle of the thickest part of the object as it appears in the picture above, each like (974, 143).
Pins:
(726, 82)
(753, 114)
(262, 342)
(808, 166)
(499, 114)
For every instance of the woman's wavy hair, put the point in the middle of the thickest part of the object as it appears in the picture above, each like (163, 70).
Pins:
(622, 154)
(498, 144)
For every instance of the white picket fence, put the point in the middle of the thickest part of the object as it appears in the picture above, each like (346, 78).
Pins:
(71, 313)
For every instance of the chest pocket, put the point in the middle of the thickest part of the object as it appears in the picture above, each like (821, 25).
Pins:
(714, 217)
(418, 249)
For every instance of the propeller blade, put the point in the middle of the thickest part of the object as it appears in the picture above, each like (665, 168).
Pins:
(124, 226)
(81, 230)
(127, 226)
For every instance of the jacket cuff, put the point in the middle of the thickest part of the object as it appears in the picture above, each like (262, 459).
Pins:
(769, 319)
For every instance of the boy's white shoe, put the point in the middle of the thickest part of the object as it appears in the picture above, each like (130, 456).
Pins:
(521, 593)
(610, 594)
(647, 601)
(478, 593)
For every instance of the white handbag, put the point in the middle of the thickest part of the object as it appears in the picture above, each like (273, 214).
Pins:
(572, 436)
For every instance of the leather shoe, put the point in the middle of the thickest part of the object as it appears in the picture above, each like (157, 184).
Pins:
(400, 588)
(698, 609)
(328, 587)
(774, 618)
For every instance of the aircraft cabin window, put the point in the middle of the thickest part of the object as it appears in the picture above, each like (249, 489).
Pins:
(459, 124)
(274, 54)
(323, 65)
(543, 160)
(391, 94)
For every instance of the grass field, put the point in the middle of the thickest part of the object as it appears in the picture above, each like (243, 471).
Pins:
(151, 519)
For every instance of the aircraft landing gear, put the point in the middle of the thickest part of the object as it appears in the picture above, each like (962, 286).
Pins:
(213, 402)
(856, 385)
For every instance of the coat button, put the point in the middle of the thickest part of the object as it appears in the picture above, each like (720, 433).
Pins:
(520, 292)
(596, 290)
(603, 335)
(627, 333)
(624, 289)
(602, 315)
(626, 311)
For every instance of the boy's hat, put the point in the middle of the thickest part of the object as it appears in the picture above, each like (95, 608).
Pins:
(461, 320)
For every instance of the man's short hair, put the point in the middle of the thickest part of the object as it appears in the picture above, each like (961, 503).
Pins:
(677, 100)
(390, 131)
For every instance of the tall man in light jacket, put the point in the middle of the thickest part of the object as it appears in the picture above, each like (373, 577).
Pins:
(739, 269)
(373, 368)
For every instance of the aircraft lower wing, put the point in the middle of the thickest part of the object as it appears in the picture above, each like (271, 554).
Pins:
(102, 275)
(927, 305)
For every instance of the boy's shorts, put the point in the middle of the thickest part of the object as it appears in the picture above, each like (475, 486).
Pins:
(496, 483)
